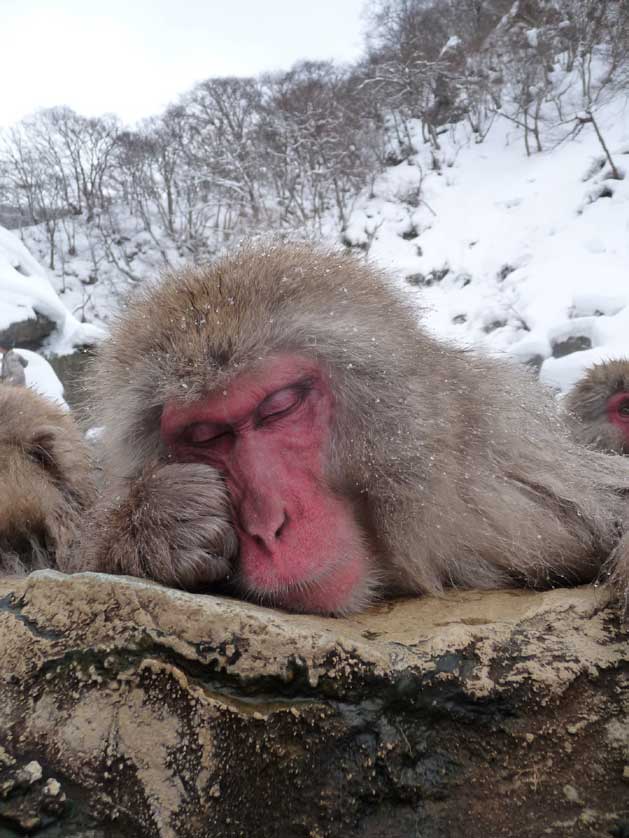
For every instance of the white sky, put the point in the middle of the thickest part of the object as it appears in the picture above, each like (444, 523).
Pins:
(133, 57)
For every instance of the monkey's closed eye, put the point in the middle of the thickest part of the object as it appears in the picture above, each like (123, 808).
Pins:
(280, 403)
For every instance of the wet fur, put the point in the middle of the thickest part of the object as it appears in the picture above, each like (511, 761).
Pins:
(45, 482)
(459, 465)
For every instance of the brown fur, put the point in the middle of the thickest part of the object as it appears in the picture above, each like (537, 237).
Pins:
(45, 482)
(586, 406)
(459, 465)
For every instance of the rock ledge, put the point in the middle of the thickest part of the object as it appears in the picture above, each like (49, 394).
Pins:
(130, 709)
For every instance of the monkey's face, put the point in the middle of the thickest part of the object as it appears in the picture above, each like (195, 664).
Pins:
(618, 415)
(269, 434)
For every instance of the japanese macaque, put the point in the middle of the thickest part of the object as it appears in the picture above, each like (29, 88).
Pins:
(279, 422)
(598, 407)
(45, 478)
(12, 368)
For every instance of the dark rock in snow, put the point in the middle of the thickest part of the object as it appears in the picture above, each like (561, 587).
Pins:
(27, 334)
(574, 343)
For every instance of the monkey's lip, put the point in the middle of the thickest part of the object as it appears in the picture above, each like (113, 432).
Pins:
(329, 590)
(278, 586)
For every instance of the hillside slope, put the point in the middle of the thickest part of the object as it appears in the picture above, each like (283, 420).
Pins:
(516, 254)
(524, 255)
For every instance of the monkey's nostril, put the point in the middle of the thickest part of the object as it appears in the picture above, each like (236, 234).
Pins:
(265, 537)
(282, 527)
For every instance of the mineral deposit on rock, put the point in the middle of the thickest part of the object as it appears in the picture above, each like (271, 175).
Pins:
(127, 709)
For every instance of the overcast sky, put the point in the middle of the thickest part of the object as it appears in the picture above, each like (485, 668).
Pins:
(133, 57)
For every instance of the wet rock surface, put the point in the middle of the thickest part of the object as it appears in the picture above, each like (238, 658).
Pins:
(130, 709)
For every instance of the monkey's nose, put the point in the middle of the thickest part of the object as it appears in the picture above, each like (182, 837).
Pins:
(267, 532)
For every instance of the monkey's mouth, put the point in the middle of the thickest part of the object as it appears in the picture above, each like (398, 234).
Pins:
(341, 587)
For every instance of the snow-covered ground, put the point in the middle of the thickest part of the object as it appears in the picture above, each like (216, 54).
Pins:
(535, 250)
(26, 289)
(41, 377)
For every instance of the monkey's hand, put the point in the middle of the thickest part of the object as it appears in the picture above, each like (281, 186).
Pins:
(173, 525)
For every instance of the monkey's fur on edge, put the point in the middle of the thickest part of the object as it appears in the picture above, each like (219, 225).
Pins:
(586, 406)
(459, 466)
(45, 485)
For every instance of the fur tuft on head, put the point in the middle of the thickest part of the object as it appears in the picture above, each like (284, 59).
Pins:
(194, 330)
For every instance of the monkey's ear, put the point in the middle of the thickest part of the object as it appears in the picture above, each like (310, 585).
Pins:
(41, 448)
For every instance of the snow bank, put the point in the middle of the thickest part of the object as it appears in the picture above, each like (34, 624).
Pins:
(41, 377)
(26, 290)
(512, 253)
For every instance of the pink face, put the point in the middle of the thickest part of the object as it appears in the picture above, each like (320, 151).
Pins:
(618, 412)
(269, 433)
